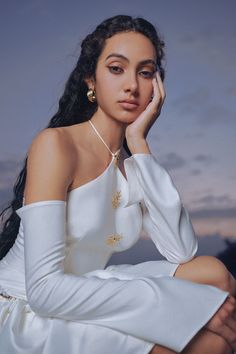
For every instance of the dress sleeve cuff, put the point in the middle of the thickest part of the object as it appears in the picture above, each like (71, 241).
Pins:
(134, 191)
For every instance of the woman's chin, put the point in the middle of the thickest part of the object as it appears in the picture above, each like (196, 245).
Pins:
(128, 117)
(128, 120)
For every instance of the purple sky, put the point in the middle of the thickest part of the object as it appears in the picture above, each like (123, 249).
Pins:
(194, 138)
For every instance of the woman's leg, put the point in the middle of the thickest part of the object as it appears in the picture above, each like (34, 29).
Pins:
(158, 349)
(204, 270)
(207, 270)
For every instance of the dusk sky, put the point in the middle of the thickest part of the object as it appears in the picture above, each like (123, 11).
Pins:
(194, 138)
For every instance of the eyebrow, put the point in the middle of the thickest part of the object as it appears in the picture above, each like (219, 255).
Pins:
(142, 62)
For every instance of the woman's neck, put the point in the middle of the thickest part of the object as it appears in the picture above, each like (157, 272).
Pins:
(111, 130)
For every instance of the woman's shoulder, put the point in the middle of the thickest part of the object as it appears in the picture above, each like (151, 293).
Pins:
(61, 143)
(57, 137)
(50, 162)
(60, 140)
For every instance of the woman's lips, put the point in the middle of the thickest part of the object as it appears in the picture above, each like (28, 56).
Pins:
(128, 105)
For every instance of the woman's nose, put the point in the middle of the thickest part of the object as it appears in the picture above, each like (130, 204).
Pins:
(131, 84)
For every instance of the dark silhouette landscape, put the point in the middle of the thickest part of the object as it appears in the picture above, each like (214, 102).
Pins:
(145, 250)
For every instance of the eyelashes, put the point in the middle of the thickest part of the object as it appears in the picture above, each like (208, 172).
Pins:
(115, 69)
(118, 70)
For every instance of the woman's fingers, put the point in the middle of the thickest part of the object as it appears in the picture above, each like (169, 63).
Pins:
(156, 99)
(229, 334)
(230, 305)
(223, 322)
(158, 96)
(158, 90)
(231, 323)
(227, 330)
(161, 86)
(141, 126)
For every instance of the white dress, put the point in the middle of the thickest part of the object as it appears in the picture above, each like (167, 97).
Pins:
(65, 299)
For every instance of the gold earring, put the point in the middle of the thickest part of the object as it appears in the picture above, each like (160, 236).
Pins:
(91, 94)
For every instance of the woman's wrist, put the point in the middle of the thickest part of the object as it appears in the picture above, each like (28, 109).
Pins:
(138, 146)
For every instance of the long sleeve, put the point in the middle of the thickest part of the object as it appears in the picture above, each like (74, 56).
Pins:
(165, 219)
(130, 304)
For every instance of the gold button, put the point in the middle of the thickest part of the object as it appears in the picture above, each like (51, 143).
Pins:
(116, 199)
(113, 239)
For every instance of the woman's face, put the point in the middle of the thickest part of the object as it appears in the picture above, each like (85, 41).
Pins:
(124, 72)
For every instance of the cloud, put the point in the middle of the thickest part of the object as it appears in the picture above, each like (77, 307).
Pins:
(217, 114)
(5, 197)
(193, 135)
(195, 172)
(192, 101)
(214, 214)
(173, 161)
(9, 169)
(205, 213)
(201, 108)
(213, 201)
(211, 47)
(203, 159)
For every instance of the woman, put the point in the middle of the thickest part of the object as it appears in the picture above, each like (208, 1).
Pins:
(92, 184)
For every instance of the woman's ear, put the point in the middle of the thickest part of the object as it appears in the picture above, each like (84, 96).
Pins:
(90, 82)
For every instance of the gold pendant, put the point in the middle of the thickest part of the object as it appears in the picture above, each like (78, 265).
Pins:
(113, 239)
(116, 159)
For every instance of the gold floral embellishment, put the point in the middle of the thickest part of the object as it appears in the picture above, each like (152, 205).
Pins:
(116, 199)
(113, 239)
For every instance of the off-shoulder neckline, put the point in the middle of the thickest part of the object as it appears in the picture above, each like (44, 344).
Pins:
(101, 175)
(93, 180)
(98, 177)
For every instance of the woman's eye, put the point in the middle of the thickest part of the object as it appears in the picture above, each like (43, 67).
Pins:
(115, 69)
(148, 74)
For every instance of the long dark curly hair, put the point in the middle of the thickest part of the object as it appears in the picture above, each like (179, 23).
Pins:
(74, 106)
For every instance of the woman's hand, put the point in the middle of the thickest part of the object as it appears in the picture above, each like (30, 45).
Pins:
(223, 322)
(137, 131)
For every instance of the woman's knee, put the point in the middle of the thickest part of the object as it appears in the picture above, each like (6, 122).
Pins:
(218, 273)
(207, 270)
